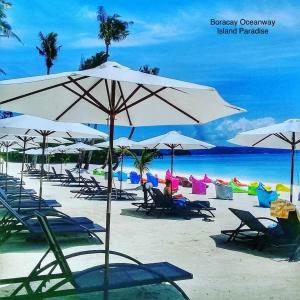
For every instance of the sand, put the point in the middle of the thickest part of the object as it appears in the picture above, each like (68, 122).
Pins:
(221, 270)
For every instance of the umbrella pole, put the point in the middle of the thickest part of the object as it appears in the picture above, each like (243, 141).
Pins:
(6, 165)
(121, 172)
(172, 164)
(292, 166)
(61, 163)
(42, 171)
(108, 206)
(22, 170)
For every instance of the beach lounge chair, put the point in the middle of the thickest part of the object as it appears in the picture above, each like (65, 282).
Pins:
(72, 181)
(134, 177)
(152, 179)
(251, 228)
(148, 201)
(198, 186)
(117, 194)
(265, 197)
(13, 222)
(223, 192)
(42, 282)
(27, 201)
(167, 205)
(183, 181)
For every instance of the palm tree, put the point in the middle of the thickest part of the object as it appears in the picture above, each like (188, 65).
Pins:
(148, 70)
(94, 61)
(142, 163)
(48, 49)
(111, 28)
(5, 27)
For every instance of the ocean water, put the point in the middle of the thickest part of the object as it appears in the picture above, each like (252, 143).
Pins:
(253, 167)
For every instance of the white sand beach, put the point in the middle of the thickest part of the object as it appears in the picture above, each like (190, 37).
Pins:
(221, 270)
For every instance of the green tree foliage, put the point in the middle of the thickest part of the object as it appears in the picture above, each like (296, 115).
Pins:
(94, 61)
(111, 28)
(142, 163)
(48, 49)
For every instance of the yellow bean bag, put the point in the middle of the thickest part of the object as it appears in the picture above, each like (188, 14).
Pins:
(282, 188)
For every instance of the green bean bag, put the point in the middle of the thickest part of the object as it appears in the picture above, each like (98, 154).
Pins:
(238, 189)
(252, 188)
(98, 172)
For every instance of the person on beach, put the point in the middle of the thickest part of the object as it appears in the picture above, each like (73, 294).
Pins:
(167, 189)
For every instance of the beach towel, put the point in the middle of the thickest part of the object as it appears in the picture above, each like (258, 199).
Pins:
(281, 209)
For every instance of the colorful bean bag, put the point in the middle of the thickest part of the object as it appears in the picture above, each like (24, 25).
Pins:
(265, 197)
(252, 188)
(238, 183)
(223, 191)
(222, 181)
(98, 172)
(282, 188)
(206, 179)
(238, 189)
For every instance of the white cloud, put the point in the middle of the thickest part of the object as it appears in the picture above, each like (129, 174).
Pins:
(180, 26)
(87, 13)
(243, 124)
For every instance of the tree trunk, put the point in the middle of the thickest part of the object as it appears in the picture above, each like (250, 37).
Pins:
(106, 51)
(48, 70)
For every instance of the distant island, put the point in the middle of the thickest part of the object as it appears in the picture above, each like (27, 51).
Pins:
(227, 150)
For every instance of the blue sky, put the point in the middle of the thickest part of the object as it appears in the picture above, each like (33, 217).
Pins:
(258, 73)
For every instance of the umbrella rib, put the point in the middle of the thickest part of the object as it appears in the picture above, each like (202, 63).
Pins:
(101, 106)
(122, 96)
(174, 106)
(41, 90)
(234, 107)
(283, 137)
(84, 98)
(129, 97)
(108, 94)
(78, 99)
(141, 99)
(261, 140)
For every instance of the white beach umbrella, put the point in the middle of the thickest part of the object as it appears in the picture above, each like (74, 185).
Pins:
(284, 135)
(63, 149)
(114, 94)
(80, 147)
(174, 140)
(30, 126)
(121, 143)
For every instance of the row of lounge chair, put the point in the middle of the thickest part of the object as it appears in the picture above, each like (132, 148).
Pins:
(155, 202)
(56, 278)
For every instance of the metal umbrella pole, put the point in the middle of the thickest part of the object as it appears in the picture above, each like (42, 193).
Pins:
(6, 165)
(108, 204)
(121, 182)
(42, 169)
(22, 170)
(292, 165)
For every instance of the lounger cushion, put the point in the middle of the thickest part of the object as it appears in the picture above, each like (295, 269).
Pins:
(129, 275)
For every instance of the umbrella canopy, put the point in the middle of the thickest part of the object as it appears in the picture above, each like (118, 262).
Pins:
(284, 135)
(34, 126)
(63, 149)
(174, 140)
(114, 94)
(81, 147)
(85, 96)
(122, 142)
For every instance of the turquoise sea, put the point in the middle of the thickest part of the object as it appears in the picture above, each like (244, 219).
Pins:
(253, 167)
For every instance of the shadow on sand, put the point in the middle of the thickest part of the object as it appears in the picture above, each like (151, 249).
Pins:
(274, 253)
(132, 212)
